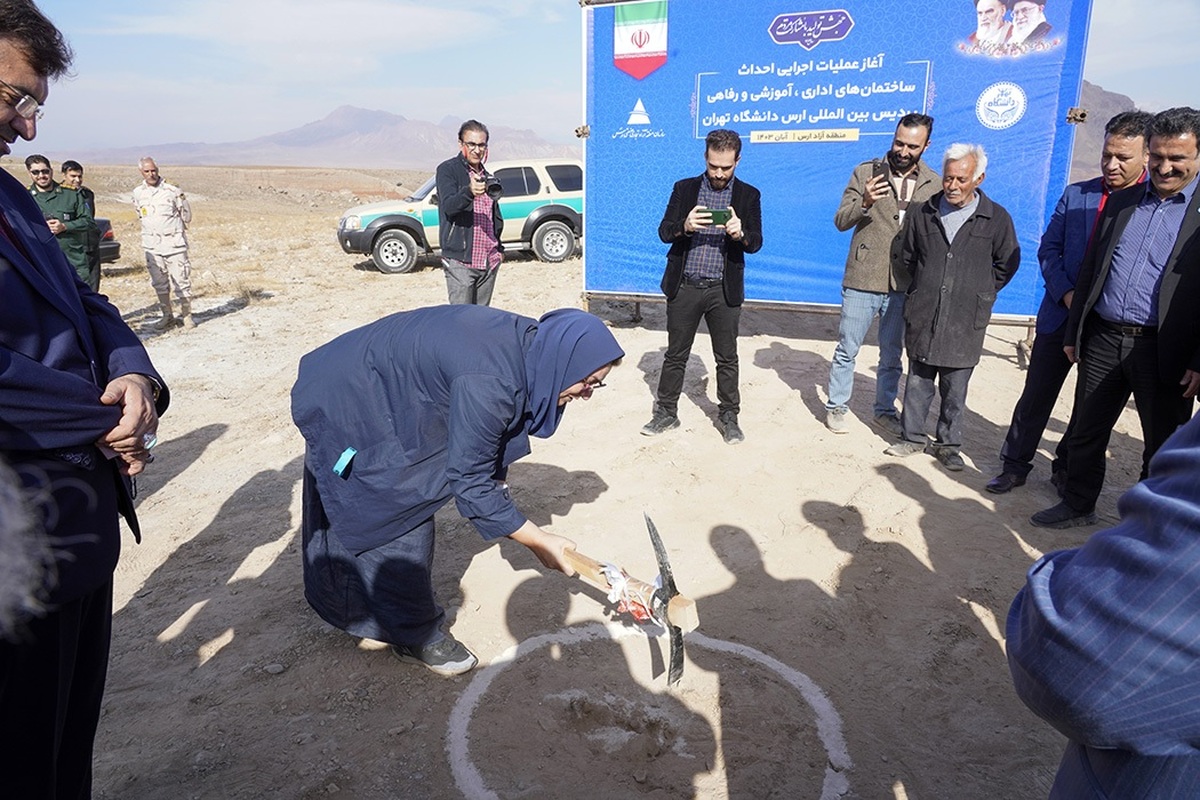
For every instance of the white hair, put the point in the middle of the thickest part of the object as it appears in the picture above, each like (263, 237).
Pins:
(958, 151)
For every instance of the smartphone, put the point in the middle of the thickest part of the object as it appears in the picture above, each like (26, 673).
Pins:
(878, 168)
(719, 215)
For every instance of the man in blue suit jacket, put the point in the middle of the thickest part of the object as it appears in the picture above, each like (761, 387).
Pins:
(1104, 641)
(1064, 244)
(1133, 324)
(79, 404)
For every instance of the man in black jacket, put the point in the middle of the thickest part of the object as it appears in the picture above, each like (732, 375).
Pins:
(711, 222)
(960, 249)
(469, 217)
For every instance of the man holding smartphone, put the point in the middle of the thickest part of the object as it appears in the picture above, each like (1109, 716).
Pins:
(874, 204)
(711, 222)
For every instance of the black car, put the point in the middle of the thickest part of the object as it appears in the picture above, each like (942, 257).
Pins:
(110, 248)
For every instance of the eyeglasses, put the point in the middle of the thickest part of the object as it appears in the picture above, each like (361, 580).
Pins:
(591, 386)
(39, 172)
(478, 147)
(26, 105)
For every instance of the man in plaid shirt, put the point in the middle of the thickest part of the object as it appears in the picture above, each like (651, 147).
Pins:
(469, 217)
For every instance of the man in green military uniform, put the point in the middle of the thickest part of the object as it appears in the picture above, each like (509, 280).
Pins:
(66, 215)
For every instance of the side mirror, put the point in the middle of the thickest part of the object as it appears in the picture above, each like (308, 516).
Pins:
(433, 199)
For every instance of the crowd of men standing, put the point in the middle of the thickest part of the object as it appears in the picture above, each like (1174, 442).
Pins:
(1121, 258)
(1121, 266)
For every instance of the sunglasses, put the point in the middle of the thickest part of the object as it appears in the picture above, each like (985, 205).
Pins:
(39, 172)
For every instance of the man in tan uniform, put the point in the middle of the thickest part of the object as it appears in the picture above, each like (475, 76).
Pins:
(165, 214)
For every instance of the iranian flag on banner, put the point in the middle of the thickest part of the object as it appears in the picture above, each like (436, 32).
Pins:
(640, 37)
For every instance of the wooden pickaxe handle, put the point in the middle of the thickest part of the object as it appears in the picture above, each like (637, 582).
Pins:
(681, 611)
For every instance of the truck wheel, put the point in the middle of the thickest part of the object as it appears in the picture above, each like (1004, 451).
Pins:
(395, 251)
(553, 241)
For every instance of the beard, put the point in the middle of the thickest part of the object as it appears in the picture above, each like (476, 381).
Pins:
(900, 163)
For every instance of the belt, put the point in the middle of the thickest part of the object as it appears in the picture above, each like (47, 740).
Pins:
(1127, 330)
(701, 283)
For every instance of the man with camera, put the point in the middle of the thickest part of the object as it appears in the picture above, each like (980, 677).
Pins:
(469, 218)
(874, 204)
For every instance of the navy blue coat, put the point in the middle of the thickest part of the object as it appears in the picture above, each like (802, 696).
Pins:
(1063, 247)
(60, 345)
(1104, 641)
(434, 402)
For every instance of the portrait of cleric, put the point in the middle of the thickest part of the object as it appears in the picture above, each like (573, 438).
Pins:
(1008, 29)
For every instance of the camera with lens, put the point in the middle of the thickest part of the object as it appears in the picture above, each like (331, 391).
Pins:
(492, 186)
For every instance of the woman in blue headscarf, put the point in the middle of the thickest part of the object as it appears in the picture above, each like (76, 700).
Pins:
(404, 414)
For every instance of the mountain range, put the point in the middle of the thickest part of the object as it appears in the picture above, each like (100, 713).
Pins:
(360, 138)
(349, 137)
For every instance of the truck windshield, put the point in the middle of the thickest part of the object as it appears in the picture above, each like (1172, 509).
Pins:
(426, 188)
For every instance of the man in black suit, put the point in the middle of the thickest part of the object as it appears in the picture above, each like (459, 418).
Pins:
(711, 222)
(1137, 329)
(79, 405)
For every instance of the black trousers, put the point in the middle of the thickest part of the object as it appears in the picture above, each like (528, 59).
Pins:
(1115, 365)
(684, 313)
(1048, 370)
(51, 685)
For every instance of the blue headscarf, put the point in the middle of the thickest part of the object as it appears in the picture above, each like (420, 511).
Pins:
(569, 345)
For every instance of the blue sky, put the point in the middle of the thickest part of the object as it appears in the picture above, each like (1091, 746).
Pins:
(229, 70)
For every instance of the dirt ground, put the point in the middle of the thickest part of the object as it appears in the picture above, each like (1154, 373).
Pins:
(852, 605)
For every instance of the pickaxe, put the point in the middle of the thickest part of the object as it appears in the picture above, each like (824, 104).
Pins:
(645, 601)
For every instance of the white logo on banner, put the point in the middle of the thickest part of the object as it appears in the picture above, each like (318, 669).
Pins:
(638, 116)
(1001, 105)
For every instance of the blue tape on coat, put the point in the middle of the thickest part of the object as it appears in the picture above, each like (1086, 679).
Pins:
(343, 461)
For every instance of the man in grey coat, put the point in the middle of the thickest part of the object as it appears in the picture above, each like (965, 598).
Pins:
(960, 249)
(874, 203)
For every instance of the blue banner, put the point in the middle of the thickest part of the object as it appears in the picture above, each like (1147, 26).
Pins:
(812, 93)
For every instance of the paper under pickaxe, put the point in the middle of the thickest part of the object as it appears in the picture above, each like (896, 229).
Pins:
(660, 601)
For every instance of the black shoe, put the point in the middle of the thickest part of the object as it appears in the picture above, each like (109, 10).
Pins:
(1059, 481)
(947, 456)
(1062, 516)
(445, 657)
(1005, 482)
(729, 427)
(661, 422)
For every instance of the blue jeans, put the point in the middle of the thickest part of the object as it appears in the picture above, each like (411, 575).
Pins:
(859, 309)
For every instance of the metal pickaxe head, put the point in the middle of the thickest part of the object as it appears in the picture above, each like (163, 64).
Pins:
(659, 601)
(673, 611)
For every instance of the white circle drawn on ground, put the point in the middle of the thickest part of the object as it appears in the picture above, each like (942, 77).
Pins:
(470, 781)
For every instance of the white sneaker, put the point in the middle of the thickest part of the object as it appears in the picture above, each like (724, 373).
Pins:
(835, 420)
